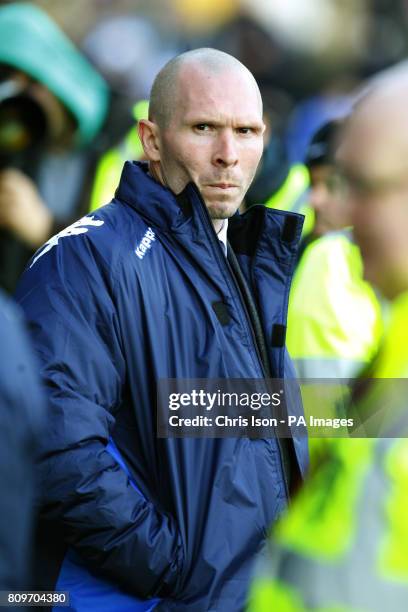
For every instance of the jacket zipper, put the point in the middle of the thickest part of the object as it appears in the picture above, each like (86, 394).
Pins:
(212, 235)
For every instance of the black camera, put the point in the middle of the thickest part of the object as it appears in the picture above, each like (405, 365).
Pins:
(23, 130)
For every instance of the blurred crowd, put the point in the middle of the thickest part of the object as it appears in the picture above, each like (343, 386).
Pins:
(72, 74)
(74, 81)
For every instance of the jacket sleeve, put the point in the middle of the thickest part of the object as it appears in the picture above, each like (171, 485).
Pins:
(67, 298)
(21, 414)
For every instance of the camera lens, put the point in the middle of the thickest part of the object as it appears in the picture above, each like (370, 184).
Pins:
(23, 125)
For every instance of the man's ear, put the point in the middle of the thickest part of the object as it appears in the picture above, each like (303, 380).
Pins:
(149, 137)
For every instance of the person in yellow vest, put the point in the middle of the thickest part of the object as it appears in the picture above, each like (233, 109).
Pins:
(292, 195)
(325, 201)
(278, 183)
(311, 189)
(110, 165)
(343, 546)
(335, 317)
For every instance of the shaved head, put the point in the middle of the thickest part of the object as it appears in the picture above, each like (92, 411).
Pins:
(374, 156)
(205, 127)
(376, 134)
(165, 93)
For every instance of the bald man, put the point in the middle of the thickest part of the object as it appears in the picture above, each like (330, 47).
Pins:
(343, 545)
(374, 157)
(152, 287)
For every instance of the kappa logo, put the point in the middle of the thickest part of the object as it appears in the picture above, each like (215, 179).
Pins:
(79, 227)
(146, 243)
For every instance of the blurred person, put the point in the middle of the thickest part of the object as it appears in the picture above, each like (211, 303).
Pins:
(325, 196)
(278, 183)
(52, 104)
(129, 48)
(334, 317)
(21, 414)
(109, 167)
(344, 545)
(157, 285)
(329, 103)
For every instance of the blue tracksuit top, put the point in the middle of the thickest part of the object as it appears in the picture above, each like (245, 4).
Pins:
(120, 299)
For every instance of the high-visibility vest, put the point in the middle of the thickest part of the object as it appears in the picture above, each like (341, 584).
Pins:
(110, 165)
(392, 359)
(343, 545)
(335, 324)
(334, 317)
(292, 196)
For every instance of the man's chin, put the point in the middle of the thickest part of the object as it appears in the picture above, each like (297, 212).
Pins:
(222, 210)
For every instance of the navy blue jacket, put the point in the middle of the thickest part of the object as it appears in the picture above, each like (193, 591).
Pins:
(21, 414)
(115, 302)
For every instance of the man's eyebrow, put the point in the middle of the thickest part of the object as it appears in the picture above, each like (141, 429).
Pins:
(201, 119)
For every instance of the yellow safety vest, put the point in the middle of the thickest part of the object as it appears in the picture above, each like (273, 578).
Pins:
(292, 196)
(334, 317)
(335, 324)
(343, 545)
(110, 165)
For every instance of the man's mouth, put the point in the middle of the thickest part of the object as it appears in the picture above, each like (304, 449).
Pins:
(223, 185)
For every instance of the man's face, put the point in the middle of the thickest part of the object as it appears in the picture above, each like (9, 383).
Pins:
(375, 163)
(214, 138)
(326, 198)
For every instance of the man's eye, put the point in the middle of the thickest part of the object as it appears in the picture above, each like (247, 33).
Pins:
(245, 130)
(202, 127)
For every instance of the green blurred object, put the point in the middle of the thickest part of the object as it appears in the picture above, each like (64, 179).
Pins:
(291, 196)
(32, 43)
(110, 165)
(140, 110)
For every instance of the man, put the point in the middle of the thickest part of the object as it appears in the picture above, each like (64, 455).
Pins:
(344, 545)
(335, 317)
(326, 196)
(142, 290)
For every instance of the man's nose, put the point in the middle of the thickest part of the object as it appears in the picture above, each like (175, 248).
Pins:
(225, 151)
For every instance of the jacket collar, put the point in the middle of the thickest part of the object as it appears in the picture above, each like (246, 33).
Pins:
(154, 202)
(261, 229)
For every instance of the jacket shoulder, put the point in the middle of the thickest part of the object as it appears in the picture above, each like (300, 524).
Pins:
(98, 238)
